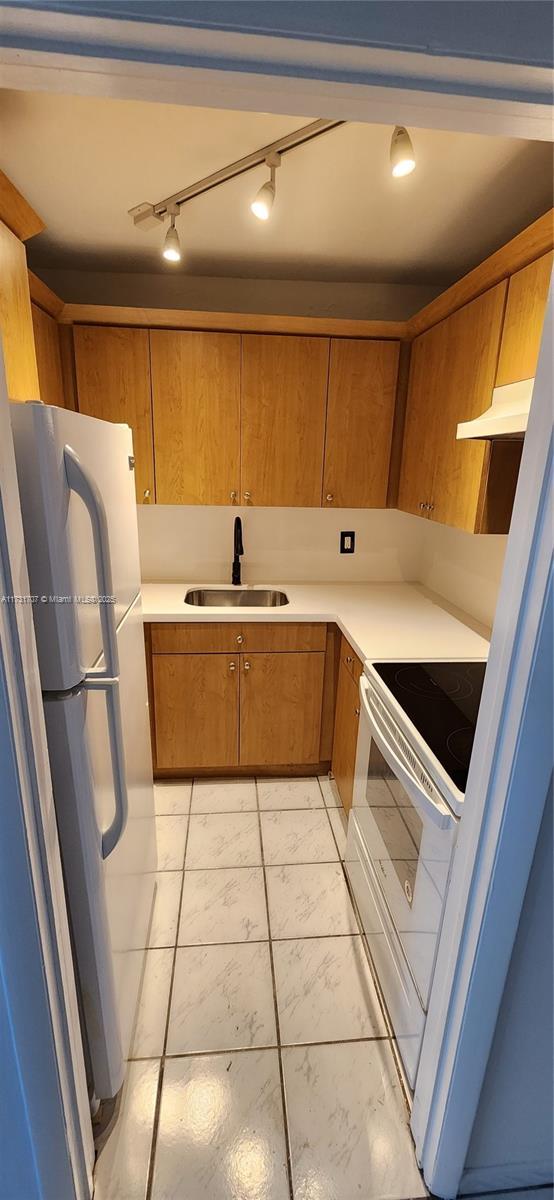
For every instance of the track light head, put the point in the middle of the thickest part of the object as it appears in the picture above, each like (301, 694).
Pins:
(402, 157)
(262, 203)
(172, 247)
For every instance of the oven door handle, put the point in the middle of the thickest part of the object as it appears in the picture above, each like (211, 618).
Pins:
(439, 814)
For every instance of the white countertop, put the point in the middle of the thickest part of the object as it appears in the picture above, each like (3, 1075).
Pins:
(380, 620)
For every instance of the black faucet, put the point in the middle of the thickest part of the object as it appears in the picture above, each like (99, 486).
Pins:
(238, 549)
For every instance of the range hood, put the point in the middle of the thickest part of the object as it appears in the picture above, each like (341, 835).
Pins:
(507, 415)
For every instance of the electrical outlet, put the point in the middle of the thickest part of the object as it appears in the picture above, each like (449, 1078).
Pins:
(347, 541)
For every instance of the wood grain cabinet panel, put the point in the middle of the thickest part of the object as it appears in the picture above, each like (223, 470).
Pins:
(268, 636)
(196, 401)
(428, 362)
(360, 415)
(49, 363)
(280, 708)
(523, 321)
(112, 368)
(196, 710)
(210, 637)
(345, 740)
(283, 401)
(16, 324)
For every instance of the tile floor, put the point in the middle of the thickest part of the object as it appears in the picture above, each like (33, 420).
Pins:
(261, 1065)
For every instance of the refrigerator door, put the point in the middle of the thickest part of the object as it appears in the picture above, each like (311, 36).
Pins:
(59, 529)
(110, 892)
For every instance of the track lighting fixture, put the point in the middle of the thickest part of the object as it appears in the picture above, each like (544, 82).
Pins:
(402, 157)
(262, 203)
(172, 247)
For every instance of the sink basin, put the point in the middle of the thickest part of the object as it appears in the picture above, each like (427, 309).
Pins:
(236, 598)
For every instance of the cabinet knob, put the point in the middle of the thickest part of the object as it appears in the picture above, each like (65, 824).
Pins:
(349, 658)
(247, 666)
(356, 712)
(329, 497)
(422, 505)
(240, 639)
(233, 497)
(248, 495)
(430, 507)
(146, 494)
(232, 666)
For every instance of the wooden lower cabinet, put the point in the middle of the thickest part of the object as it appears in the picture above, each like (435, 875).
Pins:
(196, 710)
(345, 741)
(280, 708)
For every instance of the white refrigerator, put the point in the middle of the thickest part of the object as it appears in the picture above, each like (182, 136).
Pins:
(76, 484)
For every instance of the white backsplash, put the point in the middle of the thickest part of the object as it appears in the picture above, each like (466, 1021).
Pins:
(195, 544)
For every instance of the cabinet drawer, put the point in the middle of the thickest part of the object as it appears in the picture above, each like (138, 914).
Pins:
(269, 637)
(210, 637)
(350, 659)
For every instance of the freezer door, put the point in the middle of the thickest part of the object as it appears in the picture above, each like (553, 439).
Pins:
(83, 869)
(59, 532)
(129, 871)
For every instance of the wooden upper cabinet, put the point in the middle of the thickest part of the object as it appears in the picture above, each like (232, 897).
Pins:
(360, 414)
(462, 391)
(112, 367)
(196, 403)
(523, 322)
(16, 325)
(49, 364)
(452, 375)
(284, 392)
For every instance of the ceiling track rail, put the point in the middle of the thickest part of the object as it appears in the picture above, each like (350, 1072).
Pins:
(150, 213)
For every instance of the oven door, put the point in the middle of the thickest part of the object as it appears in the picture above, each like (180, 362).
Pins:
(407, 833)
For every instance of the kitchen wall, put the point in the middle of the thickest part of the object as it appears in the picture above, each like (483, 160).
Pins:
(287, 544)
(372, 301)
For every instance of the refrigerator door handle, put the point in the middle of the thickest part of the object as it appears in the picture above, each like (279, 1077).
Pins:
(110, 687)
(85, 486)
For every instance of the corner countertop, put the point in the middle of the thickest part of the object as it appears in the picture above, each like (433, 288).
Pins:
(380, 620)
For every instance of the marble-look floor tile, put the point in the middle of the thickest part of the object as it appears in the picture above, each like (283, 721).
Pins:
(121, 1170)
(171, 799)
(325, 991)
(330, 792)
(221, 1134)
(149, 1033)
(395, 835)
(297, 837)
(378, 793)
(222, 999)
(223, 840)
(163, 931)
(339, 823)
(311, 900)
(226, 905)
(348, 1124)
(223, 795)
(289, 793)
(171, 834)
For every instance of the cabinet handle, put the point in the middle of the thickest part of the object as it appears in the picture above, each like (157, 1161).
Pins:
(329, 497)
(146, 494)
(247, 666)
(232, 666)
(240, 639)
(233, 497)
(248, 495)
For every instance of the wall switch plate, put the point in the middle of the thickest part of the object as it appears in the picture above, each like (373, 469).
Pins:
(347, 541)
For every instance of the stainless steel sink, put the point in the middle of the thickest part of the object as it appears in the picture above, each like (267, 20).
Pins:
(236, 598)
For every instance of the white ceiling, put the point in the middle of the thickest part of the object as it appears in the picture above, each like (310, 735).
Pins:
(339, 215)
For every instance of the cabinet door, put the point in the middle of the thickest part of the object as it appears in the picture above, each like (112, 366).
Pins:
(112, 369)
(284, 390)
(196, 710)
(461, 391)
(523, 321)
(280, 708)
(196, 400)
(360, 414)
(427, 364)
(49, 363)
(346, 735)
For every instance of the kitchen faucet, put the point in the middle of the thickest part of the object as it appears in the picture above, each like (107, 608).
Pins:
(238, 549)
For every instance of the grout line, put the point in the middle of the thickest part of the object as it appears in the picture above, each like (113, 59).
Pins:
(276, 1008)
(156, 1122)
(263, 1046)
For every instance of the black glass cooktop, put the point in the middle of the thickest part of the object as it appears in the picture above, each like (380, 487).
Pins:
(442, 701)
